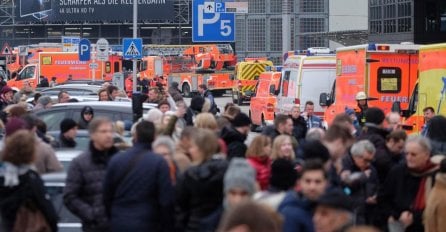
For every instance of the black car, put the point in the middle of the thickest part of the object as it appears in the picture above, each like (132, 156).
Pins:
(114, 110)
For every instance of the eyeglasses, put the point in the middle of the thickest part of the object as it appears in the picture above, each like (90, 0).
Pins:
(367, 160)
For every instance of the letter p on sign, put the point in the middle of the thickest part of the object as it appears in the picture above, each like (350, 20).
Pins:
(84, 50)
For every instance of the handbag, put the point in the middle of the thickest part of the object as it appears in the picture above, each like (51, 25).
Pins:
(30, 219)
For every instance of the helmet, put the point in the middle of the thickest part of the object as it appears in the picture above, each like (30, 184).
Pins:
(361, 96)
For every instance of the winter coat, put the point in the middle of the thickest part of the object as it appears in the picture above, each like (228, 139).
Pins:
(46, 159)
(262, 165)
(30, 187)
(214, 109)
(63, 142)
(299, 128)
(361, 188)
(399, 194)
(438, 147)
(84, 188)
(143, 200)
(297, 213)
(314, 122)
(235, 142)
(384, 162)
(436, 206)
(199, 192)
(375, 135)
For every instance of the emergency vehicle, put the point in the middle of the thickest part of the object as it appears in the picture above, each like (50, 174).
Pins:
(63, 64)
(303, 79)
(189, 66)
(246, 76)
(261, 108)
(430, 90)
(384, 72)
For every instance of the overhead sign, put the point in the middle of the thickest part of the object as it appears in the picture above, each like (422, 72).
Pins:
(91, 10)
(102, 48)
(6, 50)
(210, 22)
(93, 65)
(132, 48)
(70, 44)
(84, 50)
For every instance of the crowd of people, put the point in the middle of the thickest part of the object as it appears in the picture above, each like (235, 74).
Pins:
(191, 168)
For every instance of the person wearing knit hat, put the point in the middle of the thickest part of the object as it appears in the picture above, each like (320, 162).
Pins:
(374, 115)
(239, 182)
(6, 95)
(68, 132)
(235, 136)
(334, 211)
(14, 124)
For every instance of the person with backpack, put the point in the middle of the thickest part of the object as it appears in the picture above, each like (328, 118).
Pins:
(204, 92)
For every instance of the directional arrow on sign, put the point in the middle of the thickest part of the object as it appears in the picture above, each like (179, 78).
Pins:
(209, 7)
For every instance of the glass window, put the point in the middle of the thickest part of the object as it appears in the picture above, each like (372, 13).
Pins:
(257, 6)
(276, 34)
(389, 80)
(312, 5)
(256, 34)
(53, 118)
(312, 25)
(285, 83)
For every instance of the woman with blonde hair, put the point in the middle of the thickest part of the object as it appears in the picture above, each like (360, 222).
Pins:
(258, 156)
(200, 191)
(206, 121)
(283, 148)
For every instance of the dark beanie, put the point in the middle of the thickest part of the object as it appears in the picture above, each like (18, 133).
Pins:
(314, 149)
(374, 115)
(14, 124)
(197, 103)
(241, 120)
(336, 199)
(67, 124)
(283, 174)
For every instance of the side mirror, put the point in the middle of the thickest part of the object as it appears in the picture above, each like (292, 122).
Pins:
(324, 99)
(396, 107)
(232, 77)
(272, 89)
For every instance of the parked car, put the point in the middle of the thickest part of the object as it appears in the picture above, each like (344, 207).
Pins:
(114, 110)
(72, 89)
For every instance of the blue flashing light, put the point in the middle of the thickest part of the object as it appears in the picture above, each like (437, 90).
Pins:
(372, 47)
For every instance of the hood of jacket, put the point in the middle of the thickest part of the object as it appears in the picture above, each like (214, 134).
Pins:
(210, 170)
(229, 134)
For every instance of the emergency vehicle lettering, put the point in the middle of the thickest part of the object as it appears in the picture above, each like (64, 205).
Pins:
(400, 60)
(386, 98)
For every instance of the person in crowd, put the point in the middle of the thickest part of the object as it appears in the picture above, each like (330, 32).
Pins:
(164, 106)
(168, 124)
(315, 134)
(206, 93)
(142, 84)
(43, 103)
(53, 82)
(43, 82)
(334, 212)
(25, 92)
(258, 156)
(362, 107)
(147, 206)
(297, 207)
(200, 190)
(407, 184)
(154, 115)
(239, 187)
(283, 124)
(46, 160)
(87, 115)
(181, 113)
(228, 115)
(283, 148)
(36, 98)
(428, 113)
(153, 96)
(393, 155)
(249, 217)
(312, 120)
(346, 121)
(165, 146)
(194, 109)
(2, 82)
(283, 178)
(6, 95)
(67, 136)
(63, 97)
(373, 129)
(352, 115)
(360, 179)
(175, 92)
(437, 134)
(299, 124)
(436, 203)
(103, 95)
(83, 192)
(206, 121)
(235, 136)
(337, 140)
(314, 150)
(112, 92)
(182, 157)
(393, 121)
(21, 186)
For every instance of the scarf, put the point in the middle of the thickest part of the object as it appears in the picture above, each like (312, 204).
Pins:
(11, 173)
(420, 199)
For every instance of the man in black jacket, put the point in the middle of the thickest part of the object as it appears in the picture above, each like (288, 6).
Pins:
(236, 134)
(138, 193)
(299, 124)
(83, 190)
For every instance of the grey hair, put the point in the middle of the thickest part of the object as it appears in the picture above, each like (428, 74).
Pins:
(315, 134)
(420, 140)
(165, 141)
(359, 148)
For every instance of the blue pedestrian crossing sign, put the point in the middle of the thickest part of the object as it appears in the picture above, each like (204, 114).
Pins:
(132, 48)
(211, 22)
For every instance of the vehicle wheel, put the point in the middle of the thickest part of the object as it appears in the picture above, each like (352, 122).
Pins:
(263, 121)
(239, 99)
(233, 98)
(186, 90)
(253, 126)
